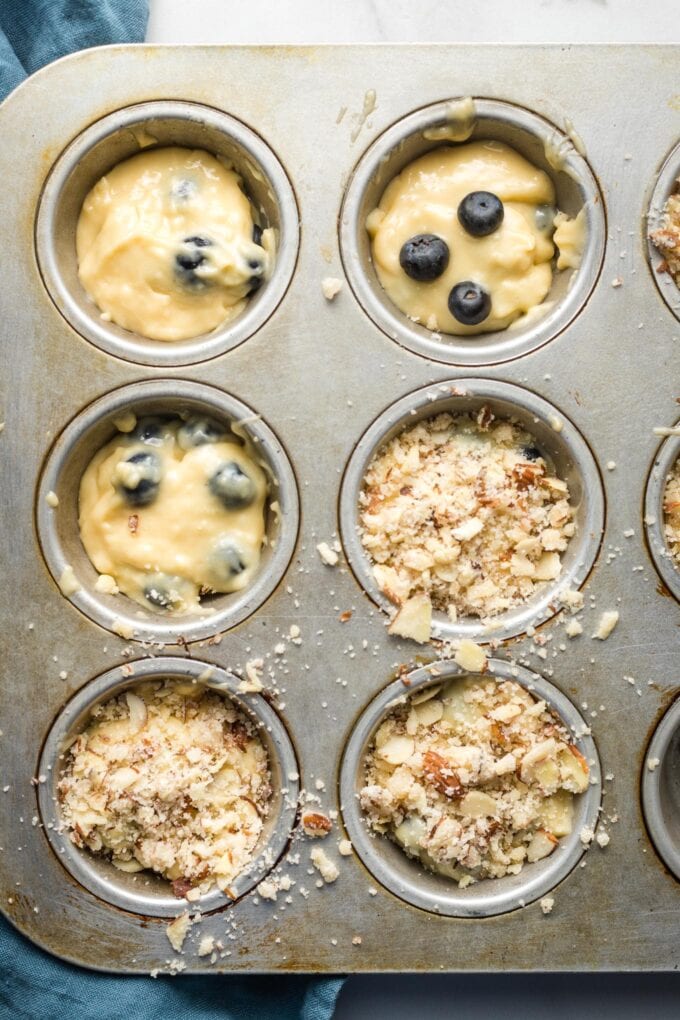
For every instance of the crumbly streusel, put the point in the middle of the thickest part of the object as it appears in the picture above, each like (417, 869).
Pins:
(476, 778)
(169, 777)
(466, 509)
(671, 506)
(667, 238)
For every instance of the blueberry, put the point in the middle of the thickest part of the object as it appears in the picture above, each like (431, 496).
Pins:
(232, 486)
(199, 431)
(424, 257)
(161, 592)
(190, 258)
(544, 217)
(182, 189)
(256, 267)
(257, 234)
(227, 561)
(480, 213)
(150, 431)
(531, 452)
(469, 303)
(138, 478)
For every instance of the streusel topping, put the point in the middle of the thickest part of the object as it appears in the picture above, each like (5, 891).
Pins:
(169, 777)
(467, 510)
(475, 778)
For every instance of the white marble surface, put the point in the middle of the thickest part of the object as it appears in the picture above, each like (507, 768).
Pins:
(318, 21)
(468, 997)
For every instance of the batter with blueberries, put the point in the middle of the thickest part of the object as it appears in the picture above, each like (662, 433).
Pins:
(172, 512)
(167, 244)
(464, 237)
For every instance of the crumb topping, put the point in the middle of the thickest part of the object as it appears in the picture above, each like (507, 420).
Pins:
(667, 238)
(168, 777)
(671, 507)
(467, 510)
(475, 778)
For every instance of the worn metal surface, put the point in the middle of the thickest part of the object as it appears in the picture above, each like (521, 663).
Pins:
(319, 375)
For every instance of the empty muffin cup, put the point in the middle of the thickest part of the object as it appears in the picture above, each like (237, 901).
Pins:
(404, 876)
(58, 509)
(145, 892)
(535, 139)
(661, 789)
(109, 142)
(554, 434)
(655, 514)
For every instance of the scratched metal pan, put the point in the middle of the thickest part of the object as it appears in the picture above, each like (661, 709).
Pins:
(317, 133)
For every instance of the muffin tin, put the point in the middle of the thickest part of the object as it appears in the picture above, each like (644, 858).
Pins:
(316, 385)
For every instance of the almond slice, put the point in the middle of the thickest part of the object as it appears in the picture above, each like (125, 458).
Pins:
(414, 619)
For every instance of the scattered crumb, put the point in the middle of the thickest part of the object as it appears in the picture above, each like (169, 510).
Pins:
(414, 619)
(328, 555)
(324, 865)
(602, 838)
(653, 764)
(606, 624)
(345, 848)
(52, 499)
(206, 945)
(177, 931)
(253, 683)
(573, 628)
(356, 941)
(547, 904)
(471, 656)
(331, 287)
(315, 824)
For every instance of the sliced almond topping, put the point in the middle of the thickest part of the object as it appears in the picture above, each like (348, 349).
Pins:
(414, 619)
(471, 656)
(315, 824)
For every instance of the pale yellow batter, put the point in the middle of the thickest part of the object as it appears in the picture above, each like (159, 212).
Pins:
(171, 511)
(167, 247)
(510, 265)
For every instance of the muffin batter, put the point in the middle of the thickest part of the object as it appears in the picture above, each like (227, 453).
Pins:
(476, 779)
(171, 511)
(169, 777)
(462, 238)
(167, 247)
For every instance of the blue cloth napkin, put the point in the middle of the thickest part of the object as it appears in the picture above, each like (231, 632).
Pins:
(33, 984)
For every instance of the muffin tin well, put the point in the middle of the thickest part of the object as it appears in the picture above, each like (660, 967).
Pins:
(144, 893)
(115, 138)
(538, 141)
(317, 385)
(405, 877)
(58, 526)
(556, 435)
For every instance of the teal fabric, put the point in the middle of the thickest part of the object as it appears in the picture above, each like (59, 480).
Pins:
(34, 32)
(37, 986)
(33, 984)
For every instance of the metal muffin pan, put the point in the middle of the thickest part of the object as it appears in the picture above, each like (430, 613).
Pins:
(143, 892)
(58, 526)
(554, 434)
(321, 375)
(544, 145)
(405, 876)
(115, 138)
